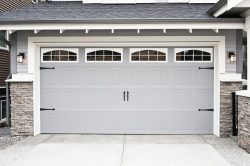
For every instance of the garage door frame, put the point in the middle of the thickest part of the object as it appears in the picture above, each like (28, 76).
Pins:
(218, 42)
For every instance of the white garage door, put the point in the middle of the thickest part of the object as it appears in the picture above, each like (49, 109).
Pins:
(145, 92)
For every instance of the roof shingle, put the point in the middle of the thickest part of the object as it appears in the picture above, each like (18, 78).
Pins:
(79, 12)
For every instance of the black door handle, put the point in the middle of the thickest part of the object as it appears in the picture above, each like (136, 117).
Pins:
(47, 109)
(127, 95)
(124, 96)
(47, 68)
(208, 68)
(206, 109)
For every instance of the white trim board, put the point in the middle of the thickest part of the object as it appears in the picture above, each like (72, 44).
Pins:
(161, 26)
(218, 42)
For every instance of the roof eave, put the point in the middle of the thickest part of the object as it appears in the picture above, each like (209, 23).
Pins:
(126, 21)
(216, 6)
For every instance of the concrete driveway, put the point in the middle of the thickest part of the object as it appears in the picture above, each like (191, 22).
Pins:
(124, 150)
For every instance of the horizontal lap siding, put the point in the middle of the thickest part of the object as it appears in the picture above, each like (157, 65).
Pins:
(4, 66)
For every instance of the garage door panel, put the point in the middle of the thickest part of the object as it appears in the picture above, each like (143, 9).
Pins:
(113, 77)
(126, 122)
(184, 78)
(191, 121)
(91, 77)
(50, 78)
(85, 99)
(97, 122)
(69, 77)
(158, 78)
(159, 100)
(137, 77)
(204, 78)
(183, 99)
(204, 99)
(162, 99)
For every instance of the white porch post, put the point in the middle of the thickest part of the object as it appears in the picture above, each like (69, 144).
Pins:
(247, 28)
(248, 58)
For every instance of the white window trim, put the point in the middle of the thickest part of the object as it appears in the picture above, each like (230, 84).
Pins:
(210, 50)
(88, 50)
(132, 50)
(75, 50)
(7, 38)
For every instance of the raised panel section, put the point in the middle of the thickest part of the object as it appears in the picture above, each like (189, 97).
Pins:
(183, 78)
(162, 99)
(92, 77)
(159, 78)
(138, 77)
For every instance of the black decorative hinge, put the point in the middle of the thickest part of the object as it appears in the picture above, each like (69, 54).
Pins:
(47, 109)
(206, 110)
(47, 68)
(208, 68)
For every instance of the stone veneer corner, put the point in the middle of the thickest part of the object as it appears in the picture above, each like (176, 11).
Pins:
(226, 89)
(244, 122)
(21, 99)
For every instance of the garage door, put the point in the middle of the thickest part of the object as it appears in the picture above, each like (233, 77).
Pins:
(145, 91)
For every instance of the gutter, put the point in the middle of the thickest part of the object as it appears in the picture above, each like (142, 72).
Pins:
(216, 7)
(132, 21)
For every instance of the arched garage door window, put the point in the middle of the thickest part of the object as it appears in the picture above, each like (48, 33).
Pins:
(103, 55)
(148, 54)
(193, 55)
(59, 54)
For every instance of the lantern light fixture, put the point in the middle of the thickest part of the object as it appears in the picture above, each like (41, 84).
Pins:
(232, 56)
(20, 57)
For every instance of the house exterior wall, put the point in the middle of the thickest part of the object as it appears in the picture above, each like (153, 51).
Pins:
(226, 106)
(244, 122)
(21, 97)
(22, 40)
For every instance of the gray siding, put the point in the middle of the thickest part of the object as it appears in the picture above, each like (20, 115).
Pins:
(22, 40)
(239, 51)
(4, 66)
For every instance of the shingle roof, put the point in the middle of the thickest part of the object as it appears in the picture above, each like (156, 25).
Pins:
(79, 12)
(8, 5)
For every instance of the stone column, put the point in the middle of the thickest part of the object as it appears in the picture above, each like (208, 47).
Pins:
(244, 122)
(21, 99)
(226, 106)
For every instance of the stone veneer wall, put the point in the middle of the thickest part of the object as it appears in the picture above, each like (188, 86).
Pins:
(21, 99)
(226, 89)
(244, 122)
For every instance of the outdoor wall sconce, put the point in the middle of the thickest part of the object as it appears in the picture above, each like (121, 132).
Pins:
(20, 58)
(232, 56)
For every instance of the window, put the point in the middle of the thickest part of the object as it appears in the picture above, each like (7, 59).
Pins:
(103, 55)
(193, 54)
(148, 55)
(59, 54)
(3, 34)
